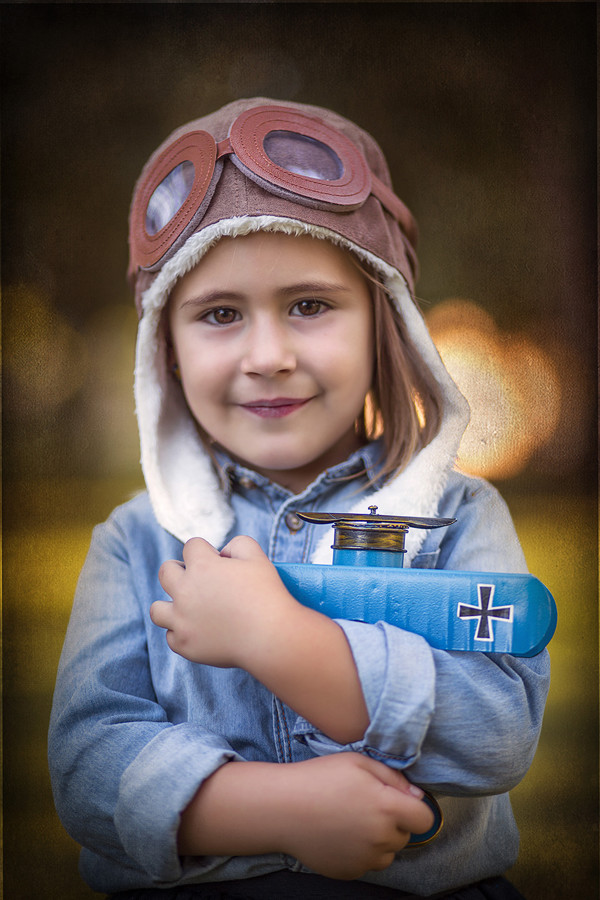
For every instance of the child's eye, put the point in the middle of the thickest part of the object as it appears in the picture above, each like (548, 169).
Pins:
(221, 316)
(308, 308)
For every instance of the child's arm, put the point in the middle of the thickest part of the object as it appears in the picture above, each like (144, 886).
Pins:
(231, 609)
(340, 815)
(465, 724)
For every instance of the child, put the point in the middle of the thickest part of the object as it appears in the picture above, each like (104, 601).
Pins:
(258, 748)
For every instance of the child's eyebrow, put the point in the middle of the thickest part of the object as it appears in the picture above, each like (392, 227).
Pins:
(211, 297)
(314, 287)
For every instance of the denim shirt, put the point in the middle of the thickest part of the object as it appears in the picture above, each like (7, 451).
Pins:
(135, 729)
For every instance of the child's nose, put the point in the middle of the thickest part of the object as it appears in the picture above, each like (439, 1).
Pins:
(268, 350)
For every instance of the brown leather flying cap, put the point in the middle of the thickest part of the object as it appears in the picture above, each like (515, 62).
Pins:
(258, 157)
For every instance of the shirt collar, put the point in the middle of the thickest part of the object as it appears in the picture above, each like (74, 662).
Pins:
(364, 461)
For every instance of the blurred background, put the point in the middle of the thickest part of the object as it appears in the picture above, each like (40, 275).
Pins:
(486, 113)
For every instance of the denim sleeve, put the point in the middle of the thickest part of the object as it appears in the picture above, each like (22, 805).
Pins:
(121, 771)
(465, 724)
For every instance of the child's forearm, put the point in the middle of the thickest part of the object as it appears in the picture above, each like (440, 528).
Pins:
(305, 659)
(341, 815)
(234, 813)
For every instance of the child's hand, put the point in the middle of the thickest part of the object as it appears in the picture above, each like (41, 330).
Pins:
(232, 609)
(352, 814)
(223, 603)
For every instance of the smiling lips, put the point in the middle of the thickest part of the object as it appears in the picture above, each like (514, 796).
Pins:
(274, 409)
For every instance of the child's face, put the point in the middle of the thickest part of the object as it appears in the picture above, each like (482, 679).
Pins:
(273, 335)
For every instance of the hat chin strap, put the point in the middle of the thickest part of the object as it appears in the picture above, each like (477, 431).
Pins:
(183, 486)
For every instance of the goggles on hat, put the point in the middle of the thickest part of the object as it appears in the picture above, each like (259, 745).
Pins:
(284, 151)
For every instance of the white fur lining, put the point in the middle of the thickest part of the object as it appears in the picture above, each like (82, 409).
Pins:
(184, 489)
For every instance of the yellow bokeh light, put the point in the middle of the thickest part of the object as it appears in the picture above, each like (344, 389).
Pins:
(512, 387)
(45, 359)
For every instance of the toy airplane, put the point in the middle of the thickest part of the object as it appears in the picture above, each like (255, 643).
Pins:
(453, 610)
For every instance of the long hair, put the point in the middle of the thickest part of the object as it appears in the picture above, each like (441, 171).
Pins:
(404, 405)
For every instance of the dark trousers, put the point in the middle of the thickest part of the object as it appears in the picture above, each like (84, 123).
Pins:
(294, 886)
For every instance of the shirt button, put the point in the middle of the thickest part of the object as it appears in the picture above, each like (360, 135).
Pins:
(293, 522)
(246, 483)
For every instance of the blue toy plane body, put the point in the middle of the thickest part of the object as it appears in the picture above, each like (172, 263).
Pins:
(452, 610)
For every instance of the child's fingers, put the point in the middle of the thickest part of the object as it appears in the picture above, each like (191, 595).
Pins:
(242, 547)
(413, 813)
(172, 570)
(169, 574)
(161, 613)
(196, 549)
(394, 778)
(415, 816)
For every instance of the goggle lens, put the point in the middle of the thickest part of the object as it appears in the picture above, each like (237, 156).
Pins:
(170, 195)
(303, 155)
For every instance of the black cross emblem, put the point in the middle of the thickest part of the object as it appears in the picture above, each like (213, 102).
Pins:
(485, 612)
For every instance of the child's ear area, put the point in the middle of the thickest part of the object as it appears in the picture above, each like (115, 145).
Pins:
(172, 363)
(165, 334)
(171, 357)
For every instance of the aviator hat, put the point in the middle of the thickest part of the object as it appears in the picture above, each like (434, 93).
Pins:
(260, 157)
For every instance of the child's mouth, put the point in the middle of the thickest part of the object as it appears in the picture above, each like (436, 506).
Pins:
(274, 409)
